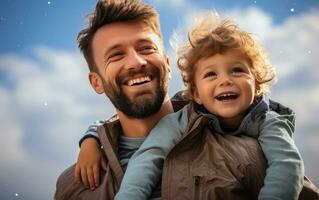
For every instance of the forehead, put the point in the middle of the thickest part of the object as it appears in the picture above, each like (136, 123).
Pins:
(123, 33)
(228, 57)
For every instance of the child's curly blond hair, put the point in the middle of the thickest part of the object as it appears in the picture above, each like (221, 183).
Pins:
(212, 36)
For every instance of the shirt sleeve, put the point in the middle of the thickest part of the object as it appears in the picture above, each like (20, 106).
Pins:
(285, 172)
(145, 166)
(92, 132)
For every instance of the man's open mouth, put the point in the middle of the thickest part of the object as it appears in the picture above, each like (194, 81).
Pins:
(138, 80)
(227, 96)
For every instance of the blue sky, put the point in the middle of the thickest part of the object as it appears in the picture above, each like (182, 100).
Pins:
(46, 101)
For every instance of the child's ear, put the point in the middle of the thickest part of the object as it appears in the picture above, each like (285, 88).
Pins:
(196, 97)
(96, 82)
(257, 90)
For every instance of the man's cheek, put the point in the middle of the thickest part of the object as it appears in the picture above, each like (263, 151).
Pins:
(111, 89)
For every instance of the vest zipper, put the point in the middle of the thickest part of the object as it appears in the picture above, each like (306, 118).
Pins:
(197, 184)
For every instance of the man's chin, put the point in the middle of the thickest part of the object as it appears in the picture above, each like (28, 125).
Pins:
(134, 95)
(142, 97)
(141, 105)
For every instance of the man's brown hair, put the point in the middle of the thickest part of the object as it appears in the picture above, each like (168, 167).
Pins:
(111, 11)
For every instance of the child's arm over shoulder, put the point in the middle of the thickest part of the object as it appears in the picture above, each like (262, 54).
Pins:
(145, 166)
(90, 158)
(285, 172)
(91, 132)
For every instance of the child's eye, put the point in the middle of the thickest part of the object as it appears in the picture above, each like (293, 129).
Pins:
(237, 70)
(209, 74)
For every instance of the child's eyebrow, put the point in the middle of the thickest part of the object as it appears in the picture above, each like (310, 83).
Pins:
(205, 68)
(238, 61)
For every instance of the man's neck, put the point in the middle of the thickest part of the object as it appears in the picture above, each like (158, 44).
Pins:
(133, 127)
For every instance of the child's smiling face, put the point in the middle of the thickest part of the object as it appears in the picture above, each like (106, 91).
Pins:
(225, 86)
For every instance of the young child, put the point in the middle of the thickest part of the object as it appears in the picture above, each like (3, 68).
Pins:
(226, 74)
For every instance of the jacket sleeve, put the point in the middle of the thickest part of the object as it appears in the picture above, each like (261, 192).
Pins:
(92, 132)
(285, 172)
(145, 166)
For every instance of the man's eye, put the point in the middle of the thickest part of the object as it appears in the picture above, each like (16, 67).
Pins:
(147, 49)
(115, 56)
(209, 74)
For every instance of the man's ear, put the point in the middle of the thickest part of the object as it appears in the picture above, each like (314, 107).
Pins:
(96, 82)
(196, 96)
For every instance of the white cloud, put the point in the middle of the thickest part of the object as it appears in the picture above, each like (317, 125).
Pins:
(11, 134)
(46, 104)
(288, 43)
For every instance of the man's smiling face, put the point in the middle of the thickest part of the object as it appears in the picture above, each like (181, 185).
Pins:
(133, 67)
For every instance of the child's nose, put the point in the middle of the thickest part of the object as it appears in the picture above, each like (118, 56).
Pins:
(225, 80)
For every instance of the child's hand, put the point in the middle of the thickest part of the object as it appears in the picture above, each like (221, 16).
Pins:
(88, 165)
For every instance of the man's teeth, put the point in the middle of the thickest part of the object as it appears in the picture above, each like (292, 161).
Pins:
(138, 80)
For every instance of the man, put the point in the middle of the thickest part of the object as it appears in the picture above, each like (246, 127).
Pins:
(124, 50)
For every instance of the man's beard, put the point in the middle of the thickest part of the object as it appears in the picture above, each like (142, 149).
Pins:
(138, 107)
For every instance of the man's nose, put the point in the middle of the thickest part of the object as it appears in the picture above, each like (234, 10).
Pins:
(135, 60)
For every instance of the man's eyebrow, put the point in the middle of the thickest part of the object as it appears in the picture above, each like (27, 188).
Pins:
(144, 40)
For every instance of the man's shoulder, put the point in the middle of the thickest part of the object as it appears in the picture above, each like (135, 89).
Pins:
(112, 119)
(66, 183)
(179, 100)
